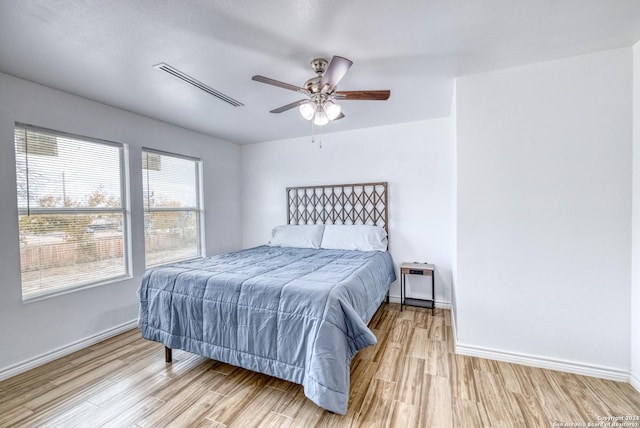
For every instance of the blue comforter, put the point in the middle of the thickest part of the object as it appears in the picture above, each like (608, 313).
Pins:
(294, 313)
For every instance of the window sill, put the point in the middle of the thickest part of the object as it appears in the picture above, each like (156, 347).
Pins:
(46, 294)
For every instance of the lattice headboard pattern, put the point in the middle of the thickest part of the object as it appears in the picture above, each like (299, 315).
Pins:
(362, 203)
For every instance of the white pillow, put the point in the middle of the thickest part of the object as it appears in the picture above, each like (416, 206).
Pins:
(354, 237)
(301, 236)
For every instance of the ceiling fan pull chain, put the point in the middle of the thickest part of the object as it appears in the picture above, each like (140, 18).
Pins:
(313, 135)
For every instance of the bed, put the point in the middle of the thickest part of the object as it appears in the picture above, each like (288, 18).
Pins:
(296, 312)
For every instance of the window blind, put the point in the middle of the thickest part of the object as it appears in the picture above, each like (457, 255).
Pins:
(71, 210)
(171, 192)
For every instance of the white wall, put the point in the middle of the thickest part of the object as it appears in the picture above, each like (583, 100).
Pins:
(415, 158)
(544, 212)
(31, 332)
(635, 259)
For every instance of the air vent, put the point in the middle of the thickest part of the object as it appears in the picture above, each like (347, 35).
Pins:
(194, 82)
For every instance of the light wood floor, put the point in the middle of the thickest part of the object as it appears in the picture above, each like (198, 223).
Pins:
(411, 378)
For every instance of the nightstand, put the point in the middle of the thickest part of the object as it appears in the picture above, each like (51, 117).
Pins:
(424, 269)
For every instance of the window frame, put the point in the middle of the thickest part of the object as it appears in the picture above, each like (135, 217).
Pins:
(122, 210)
(198, 209)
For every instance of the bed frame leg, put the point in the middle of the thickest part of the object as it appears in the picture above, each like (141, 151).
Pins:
(167, 354)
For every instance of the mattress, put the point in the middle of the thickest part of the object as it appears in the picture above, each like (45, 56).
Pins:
(294, 313)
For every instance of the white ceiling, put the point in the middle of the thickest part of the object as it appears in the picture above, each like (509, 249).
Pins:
(105, 51)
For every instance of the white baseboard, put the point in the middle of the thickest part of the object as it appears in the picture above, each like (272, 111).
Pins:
(545, 363)
(31, 363)
(634, 381)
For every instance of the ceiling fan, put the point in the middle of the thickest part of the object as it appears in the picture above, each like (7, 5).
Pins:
(322, 93)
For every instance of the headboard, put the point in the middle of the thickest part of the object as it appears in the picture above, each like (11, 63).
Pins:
(361, 203)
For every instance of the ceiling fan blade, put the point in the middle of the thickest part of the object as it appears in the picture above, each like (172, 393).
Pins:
(279, 84)
(363, 95)
(288, 106)
(334, 73)
(340, 116)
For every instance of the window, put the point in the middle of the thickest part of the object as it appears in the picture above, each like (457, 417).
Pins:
(172, 214)
(71, 210)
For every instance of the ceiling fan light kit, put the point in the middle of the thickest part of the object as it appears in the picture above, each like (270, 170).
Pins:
(320, 117)
(307, 110)
(332, 109)
(321, 107)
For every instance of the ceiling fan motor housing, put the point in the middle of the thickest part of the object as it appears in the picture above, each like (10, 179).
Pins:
(319, 65)
(313, 85)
